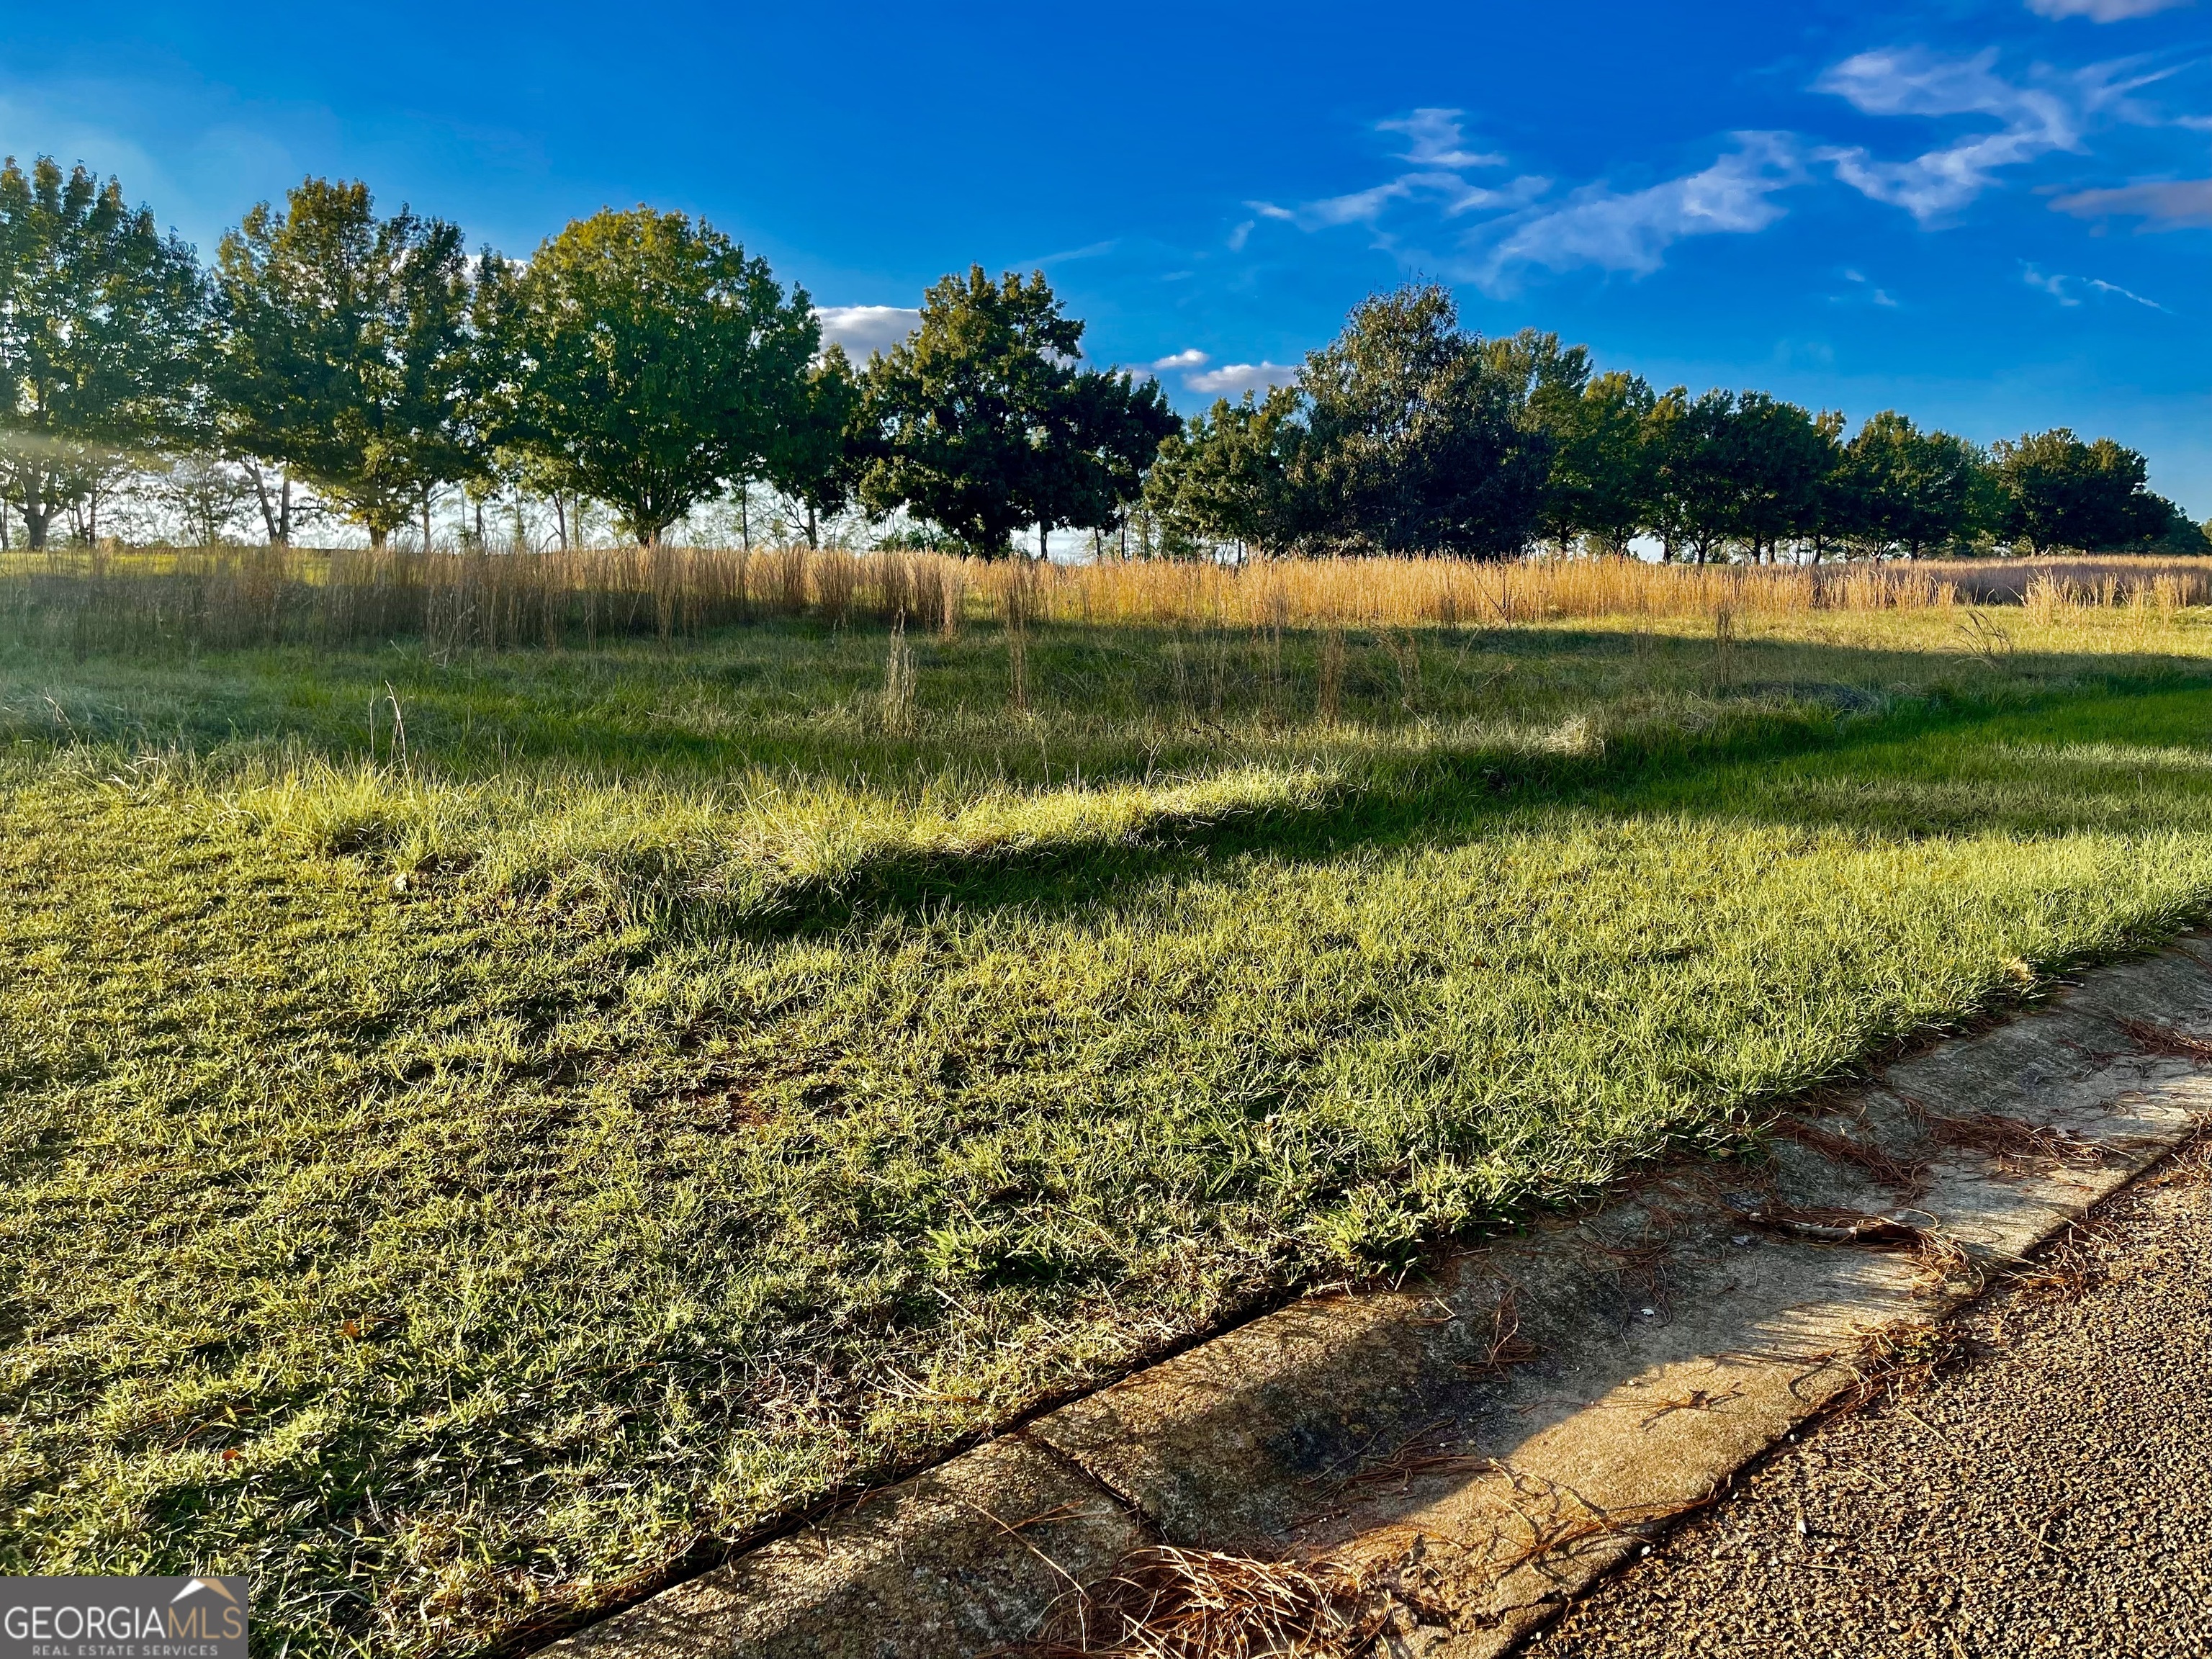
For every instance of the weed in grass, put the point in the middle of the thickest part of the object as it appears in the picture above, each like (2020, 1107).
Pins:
(1328, 694)
(899, 683)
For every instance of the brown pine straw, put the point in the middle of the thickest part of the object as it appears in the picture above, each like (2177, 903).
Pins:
(2017, 1144)
(2164, 1040)
(1165, 1602)
(1877, 1161)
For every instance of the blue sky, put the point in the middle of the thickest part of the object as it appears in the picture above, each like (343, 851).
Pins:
(1993, 214)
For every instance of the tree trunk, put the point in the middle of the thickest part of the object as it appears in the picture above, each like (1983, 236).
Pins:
(812, 533)
(284, 512)
(268, 509)
(426, 521)
(561, 519)
(1044, 545)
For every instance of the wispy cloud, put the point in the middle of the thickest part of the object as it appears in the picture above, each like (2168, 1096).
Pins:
(2039, 117)
(1913, 82)
(2066, 289)
(1632, 230)
(1877, 295)
(1179, 360)
(1435, 138)
(864, 329)
(2054, 286)
(1437, 149)
(2167, 203)
(2102, 11)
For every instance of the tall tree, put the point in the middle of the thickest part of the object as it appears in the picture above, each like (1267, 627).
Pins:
(813, 464)
(980, 422)
(1415, 440)
(1546, 381)
(1604, 469)
(101, 320)
(2062, 493)
(655, 364)
(1226, 476)
(1909, 490)
(1102, 441)
(344, 354)
(1689, 445)
(1776, 457)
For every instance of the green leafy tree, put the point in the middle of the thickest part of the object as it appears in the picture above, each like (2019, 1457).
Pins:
(1775, 457)
(102, 322)
(1912, 491)
(654, 365)
(980, 422)
(1226, 476)
(2164, 527)
(1100, 447)
(2062, 493)
(1546, 381)
(814, 464)
(345, 353)
(1689, 445)
(1415, 440)
(1604, 466)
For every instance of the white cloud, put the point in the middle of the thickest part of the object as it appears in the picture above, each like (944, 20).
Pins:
(2101, 11)
(1878, 296)
(1632, 230)
(1242, 377)
(2061, 287)
(2038, 120)
(1437, 137)
(1192, 358)
(2054, 286)
(2103, 287)
(865, 328)
(1437, 149)
(1454, 193)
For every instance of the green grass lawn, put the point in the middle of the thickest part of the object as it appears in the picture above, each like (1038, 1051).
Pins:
(450, 1184)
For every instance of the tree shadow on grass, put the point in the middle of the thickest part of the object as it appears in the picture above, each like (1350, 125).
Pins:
(1121, 710)
(1938, 765)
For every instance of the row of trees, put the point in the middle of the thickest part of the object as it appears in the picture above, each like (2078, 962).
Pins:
(638, 360)
(643, 362)
(1408, 434)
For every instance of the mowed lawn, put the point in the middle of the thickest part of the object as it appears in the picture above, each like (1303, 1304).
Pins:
(450, 1180)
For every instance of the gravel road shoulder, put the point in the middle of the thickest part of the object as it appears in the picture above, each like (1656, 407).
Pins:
(2037, 1480)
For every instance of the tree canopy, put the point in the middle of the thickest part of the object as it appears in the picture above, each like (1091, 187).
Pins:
(102, 325)
(346, 353)
(982, 422)
(653, 364)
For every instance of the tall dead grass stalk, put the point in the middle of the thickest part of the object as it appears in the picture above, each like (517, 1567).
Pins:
(234, 596)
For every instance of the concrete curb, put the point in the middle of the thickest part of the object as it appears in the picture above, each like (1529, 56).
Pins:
(1482, 1445)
